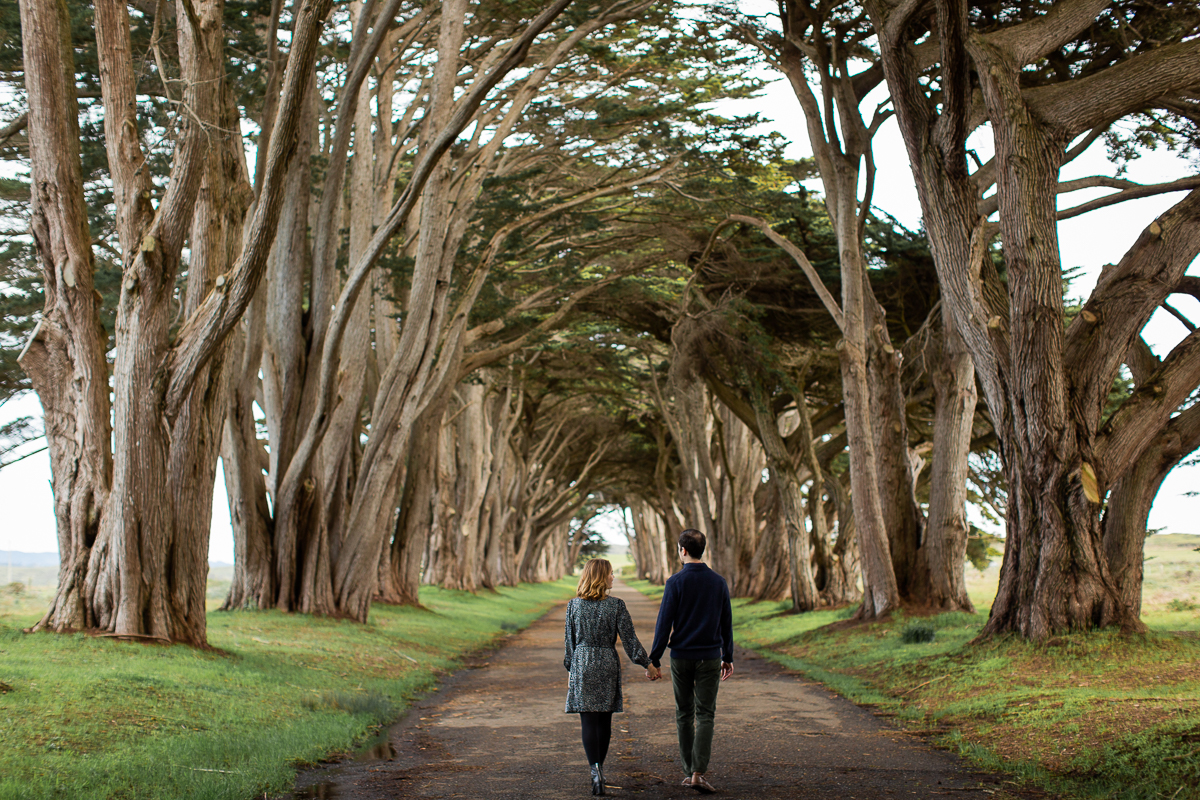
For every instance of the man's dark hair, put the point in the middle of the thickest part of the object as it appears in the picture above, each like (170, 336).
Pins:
(693, 542)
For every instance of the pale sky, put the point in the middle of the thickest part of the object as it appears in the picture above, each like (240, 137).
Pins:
(1089, 241)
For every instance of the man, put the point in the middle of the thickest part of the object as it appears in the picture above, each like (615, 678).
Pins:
(696, 621)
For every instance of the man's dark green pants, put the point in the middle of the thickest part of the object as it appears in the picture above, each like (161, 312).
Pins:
(695, 683)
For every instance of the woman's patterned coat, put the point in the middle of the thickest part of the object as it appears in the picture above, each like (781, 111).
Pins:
(591, 653)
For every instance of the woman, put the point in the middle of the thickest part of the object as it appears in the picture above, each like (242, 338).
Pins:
(594, 688)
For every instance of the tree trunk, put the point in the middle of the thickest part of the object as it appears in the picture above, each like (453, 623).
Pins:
(334, 471)
(844, 565)
(244, 460)
(65, 355)
(945, 544)
(216, 239)
(829, 578)
(400, 571)
(972, 296)
(839, 160)
(283, 359)
(1045, 388)
(145, 571)
(1054, 576)
(742, 460)
(691, 428)
(783, 473)
(770, 569)
(902, 517)
(880, 592)
(651, 543)
(1131, 498)
(147, 575)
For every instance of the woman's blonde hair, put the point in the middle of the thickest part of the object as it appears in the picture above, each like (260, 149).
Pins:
(593, 582)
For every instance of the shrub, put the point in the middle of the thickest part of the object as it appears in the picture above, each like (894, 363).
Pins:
(917, 632)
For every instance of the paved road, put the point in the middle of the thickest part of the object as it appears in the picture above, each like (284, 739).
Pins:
(497, 730)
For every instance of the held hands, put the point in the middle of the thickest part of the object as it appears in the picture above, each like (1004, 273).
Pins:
(654, 673)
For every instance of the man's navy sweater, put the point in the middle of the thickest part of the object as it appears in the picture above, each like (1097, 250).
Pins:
(696, 616)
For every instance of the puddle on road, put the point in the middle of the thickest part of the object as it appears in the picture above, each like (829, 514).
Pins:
(378, 749)
(382, 750)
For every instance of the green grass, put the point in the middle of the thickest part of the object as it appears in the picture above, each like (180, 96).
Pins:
(1088, 715)
(86, 717)
(1171, 580)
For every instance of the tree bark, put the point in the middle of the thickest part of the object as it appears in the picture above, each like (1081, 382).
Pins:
(244, 460)
(803, 587)
(400, 569)
(1129, 503)
(1054, 576)
(902, 517)
(64, 357)
(771, 569)
(196, 436)
(283, 360)
(945, 544)
(146, 575)
(146, 566)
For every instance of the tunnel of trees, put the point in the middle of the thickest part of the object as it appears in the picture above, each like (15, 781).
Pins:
(441, 282)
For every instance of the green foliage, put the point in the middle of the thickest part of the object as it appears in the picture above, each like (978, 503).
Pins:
(918, 633)
(14, 435)
(590, 541)
(981, 549)
(627, 101)
(89, 717)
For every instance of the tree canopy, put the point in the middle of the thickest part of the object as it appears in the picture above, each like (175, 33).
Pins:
(441, 282)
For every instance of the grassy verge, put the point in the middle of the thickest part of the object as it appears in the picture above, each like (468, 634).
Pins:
(1085, 715)
(84, 717)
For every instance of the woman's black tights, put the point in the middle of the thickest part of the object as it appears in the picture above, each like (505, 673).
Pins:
(597, 731)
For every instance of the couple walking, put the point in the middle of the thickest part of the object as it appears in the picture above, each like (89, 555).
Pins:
(695, 620)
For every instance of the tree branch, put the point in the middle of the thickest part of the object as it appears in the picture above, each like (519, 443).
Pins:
(1035, 39)
(1128, 191)
(463, 113)
(1125, 296)
(1133, 192)
(831, 305)
(206, 329)
(1142, 417)
(1141, 361)
(1173, 311)
(13, 128)
(1124, 88)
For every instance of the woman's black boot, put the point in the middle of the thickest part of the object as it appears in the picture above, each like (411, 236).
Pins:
(597, 780)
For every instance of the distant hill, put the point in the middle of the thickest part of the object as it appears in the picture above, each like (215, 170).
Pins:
(20, 559)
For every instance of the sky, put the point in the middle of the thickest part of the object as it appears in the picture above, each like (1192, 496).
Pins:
(1088, 242)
